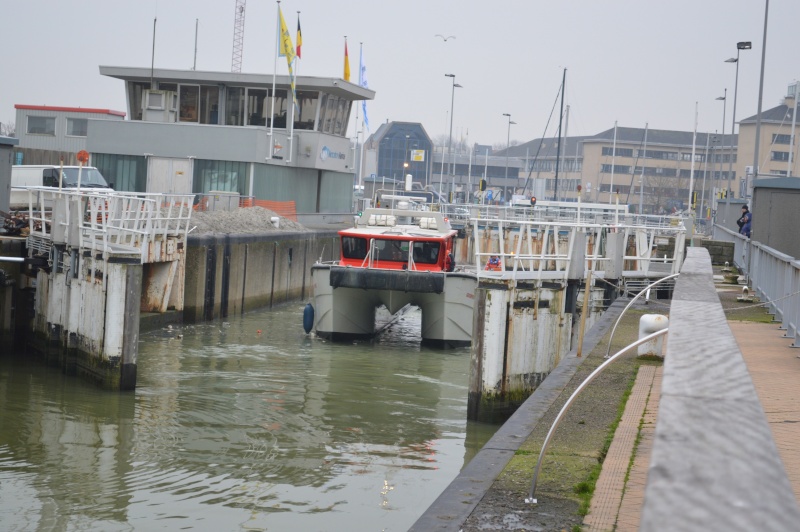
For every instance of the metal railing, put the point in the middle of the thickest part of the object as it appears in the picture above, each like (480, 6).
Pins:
(561, 213)
(775, 278)
(530, 499)
(528, 249)
(740, 245)
(106, 223)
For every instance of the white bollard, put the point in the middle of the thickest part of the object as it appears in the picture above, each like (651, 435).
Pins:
(648, 324)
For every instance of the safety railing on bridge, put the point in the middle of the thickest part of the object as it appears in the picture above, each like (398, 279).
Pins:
(514, 249)
(775, 278)
(740, 245)
(106, 223)
(562, 212)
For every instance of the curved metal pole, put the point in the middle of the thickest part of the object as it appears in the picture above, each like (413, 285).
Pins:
(645, 289)
(572, 397)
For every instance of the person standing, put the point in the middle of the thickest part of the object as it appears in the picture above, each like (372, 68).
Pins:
(745, 221)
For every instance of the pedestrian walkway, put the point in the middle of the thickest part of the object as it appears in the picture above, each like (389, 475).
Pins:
(774, 368)
(610, 510)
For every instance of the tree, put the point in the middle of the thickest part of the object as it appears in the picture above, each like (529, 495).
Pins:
(7, 129)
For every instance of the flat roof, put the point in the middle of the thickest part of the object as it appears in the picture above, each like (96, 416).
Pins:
(69, 109)
(9, 141)
(335, 86)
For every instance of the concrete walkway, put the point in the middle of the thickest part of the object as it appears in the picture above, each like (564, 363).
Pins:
(774, 367)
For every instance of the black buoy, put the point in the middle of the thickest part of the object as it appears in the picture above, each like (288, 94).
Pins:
(308, 318)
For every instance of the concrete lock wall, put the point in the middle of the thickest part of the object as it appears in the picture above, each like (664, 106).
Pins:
(519, 336)
(231, 274)
(9, 272)
(88, 324)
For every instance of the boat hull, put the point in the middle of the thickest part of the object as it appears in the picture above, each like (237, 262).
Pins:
(345, 301)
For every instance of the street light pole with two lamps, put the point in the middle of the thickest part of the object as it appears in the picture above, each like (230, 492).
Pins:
(724, 99)
(743, 45)
(450, 137)
(508, 147)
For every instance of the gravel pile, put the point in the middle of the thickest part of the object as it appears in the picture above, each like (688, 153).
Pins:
(241, 221)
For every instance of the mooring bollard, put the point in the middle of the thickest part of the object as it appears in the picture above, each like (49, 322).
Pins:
(648, 324)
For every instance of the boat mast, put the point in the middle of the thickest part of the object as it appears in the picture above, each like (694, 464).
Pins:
(558, 147)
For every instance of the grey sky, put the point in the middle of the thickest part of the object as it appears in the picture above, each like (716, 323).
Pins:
(634, 61)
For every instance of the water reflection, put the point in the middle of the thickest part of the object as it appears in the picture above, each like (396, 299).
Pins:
(249, 424)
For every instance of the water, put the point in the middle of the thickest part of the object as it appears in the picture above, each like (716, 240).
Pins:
(241, 425)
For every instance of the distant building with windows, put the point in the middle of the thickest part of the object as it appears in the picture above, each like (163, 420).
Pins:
(49, 134)
(400, 148)
(776, 150)
(623, 164)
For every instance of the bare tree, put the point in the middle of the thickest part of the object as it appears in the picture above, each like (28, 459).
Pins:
(7, 129)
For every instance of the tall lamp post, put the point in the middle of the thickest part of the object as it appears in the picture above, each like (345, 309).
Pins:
(508, 146)
(450, 137)
(743, 45)
(724, 99)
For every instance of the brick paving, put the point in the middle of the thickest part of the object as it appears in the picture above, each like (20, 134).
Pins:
(775, 371)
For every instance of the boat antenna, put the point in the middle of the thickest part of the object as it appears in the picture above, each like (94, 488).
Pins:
(321, 253)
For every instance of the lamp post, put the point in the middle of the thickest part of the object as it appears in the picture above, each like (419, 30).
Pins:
(743, 45)
(508, 146)
(450, 137)
(724, 99)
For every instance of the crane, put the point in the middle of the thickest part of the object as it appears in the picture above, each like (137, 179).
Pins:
(238, 36)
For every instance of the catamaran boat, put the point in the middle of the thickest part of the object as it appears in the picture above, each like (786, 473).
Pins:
(395, 258)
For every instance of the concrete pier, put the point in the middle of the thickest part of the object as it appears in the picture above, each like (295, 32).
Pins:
(99, 260)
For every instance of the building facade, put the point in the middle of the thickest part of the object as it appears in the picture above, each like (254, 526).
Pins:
(402, 148)
(777, 146)
(48, 135)
(201, 132)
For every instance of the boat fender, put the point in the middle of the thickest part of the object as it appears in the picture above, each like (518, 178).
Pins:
(308, 318)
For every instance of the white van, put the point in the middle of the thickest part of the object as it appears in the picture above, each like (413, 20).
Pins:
(24, 176)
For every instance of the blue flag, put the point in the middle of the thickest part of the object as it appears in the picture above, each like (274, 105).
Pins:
(362, 80)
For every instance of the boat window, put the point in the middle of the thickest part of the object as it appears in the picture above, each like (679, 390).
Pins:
(426, 252)
(394, 250)
(353, 247)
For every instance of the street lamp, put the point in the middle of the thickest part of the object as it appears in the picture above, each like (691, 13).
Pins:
(724, 99)
(743, 45)
(508, 146)
(450, 138)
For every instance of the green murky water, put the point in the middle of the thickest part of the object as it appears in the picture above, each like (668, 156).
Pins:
(248, 424)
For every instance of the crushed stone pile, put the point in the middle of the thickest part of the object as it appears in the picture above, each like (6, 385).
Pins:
(243, 220)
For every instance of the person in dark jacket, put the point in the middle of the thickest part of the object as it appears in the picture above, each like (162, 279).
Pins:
(745, 221)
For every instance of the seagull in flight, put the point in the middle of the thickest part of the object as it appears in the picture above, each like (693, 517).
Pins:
(445, 38)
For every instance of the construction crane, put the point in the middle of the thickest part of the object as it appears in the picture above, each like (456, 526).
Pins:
(238, 36)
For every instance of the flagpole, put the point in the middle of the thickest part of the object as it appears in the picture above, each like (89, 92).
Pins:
(274, 73)
(355, 124)
(293, 74)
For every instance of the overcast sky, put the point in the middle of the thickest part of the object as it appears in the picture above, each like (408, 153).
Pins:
(633, 61)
